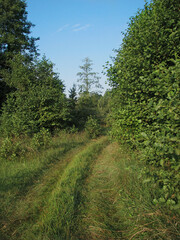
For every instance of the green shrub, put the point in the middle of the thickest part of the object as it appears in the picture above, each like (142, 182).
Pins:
(41, 139)
(92, 127)
(10, 149)
(73, 129)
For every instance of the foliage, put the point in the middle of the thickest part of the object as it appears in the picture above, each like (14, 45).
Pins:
(72, 102)
(92, 127)
(4, 91)
(11, 149)
(104, 106)
(42, 139)
(39, 101)
(87, 78)
(86, 106)
(73, 129)
(145, 97)
(15, 29)
(73, 96)
(15, 37)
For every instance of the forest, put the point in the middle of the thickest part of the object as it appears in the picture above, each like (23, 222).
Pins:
(87, 165)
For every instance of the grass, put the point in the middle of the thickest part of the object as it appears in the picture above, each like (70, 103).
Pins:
(118, 206)
(58, 219)
(26, 183)
(79, 189)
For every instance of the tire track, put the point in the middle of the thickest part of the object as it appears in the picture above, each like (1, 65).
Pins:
(98, 218)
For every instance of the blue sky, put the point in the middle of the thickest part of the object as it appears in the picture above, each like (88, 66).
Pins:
(71, 30)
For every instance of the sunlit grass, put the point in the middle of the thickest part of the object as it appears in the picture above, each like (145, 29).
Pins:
(79, 189)
(118, 205)
(58, 219)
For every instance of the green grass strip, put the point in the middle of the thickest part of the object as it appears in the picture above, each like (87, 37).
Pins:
(58, 220)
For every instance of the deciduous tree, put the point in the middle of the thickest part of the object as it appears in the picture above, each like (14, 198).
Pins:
(145, 81)
(15, 38)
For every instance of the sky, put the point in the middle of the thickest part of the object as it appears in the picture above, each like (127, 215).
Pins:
(71, 30)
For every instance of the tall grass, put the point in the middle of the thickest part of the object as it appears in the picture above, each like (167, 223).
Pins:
(30, 179)
(58, 220)
(81, 190)
(118, 205)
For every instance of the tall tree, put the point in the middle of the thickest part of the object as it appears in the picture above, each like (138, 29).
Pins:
(145, 95)
(15, 30)
(15, 37)
(87, 77)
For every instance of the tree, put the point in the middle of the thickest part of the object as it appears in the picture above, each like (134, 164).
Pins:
(14, 38)
(87, 78)
(14, 31)
(86, 106)
(72, 97)
(145, 80)
(39, 101)
(104, 106)
(72, 101)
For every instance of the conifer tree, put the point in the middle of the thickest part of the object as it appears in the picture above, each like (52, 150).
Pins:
(87, 78)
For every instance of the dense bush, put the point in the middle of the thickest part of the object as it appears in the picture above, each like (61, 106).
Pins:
(92, 127)
(145, 96)
(38, 101)
(11, 149)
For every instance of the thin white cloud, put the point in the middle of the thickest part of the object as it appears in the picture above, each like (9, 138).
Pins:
(63, 28)
(76, 25)
(77, 29)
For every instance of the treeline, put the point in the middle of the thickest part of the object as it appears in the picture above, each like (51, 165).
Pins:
(145, 95)
(31, 94)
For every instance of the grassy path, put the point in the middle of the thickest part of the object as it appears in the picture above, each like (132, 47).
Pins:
(99, 217)
(118, 206)
(28, 207)
(35, 214)
(80, 190)
(58, 219)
